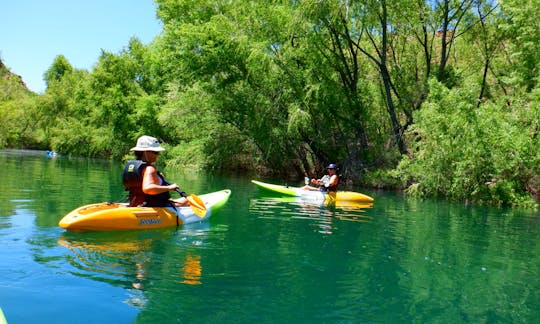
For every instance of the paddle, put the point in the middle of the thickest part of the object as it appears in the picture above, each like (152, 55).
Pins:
(195, 202)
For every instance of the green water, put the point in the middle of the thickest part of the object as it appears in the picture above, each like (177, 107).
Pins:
(261, 260)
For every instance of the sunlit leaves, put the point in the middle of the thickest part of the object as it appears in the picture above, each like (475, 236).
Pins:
(292, 85)
(520, 24)
(58, 69)
(472, 154)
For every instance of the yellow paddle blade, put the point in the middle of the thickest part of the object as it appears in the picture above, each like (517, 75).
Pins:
(197, 205)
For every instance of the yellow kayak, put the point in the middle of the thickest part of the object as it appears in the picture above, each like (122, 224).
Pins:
(118, 216)
(321, 196)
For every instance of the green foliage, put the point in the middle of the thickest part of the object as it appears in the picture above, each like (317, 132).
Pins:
(15, 131)
(105, 110)
(226, 52)
(11, 85)
(520, 24)
(19, 114)
(291, 86)
(58, 69)
(19, 126)
(73, 136)
(470, 154)
(383, 179)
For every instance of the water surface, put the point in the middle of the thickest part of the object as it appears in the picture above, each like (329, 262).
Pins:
(262, 259)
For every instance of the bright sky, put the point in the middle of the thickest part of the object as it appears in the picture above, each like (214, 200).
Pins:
(34, 32)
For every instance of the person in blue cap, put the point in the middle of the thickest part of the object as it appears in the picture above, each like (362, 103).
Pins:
(327, 183)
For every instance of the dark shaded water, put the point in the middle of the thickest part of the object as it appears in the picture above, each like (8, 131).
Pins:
(261, 259)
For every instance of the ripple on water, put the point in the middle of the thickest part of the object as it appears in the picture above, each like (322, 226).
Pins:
(319, 215)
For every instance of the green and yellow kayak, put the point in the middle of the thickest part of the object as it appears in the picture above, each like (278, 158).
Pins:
(2, 317)
(320, 196)
(119, 216)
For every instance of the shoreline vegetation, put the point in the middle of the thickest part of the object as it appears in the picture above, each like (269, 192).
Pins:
(438, 100)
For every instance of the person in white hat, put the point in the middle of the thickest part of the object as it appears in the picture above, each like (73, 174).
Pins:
(154, 187)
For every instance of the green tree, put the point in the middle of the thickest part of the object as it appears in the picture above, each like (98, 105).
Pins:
(223, 53)
(58, 69)
(488, 155)
(111, 105)
(290, 86)
(19, 114)
(521, 27)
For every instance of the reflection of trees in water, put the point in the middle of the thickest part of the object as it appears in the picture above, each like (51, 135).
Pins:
(52, 187)
(137, 260)
(121, 259)
(322, 214)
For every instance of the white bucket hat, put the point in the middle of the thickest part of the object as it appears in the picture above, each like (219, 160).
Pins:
(148, 143)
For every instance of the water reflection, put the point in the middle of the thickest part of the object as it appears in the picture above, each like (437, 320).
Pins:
(323, 215)
(135, 260)
(192, 270)
(116, 257)
(262, 259)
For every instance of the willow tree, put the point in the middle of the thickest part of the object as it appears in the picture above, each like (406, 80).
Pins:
(225, 53)
(521, 27)
(337, 94)
(293, 78)
(351, 35)
(57, 70)
(119, 105)
(102, 112)
(62, 82)
(481, 151)
(487, 38)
